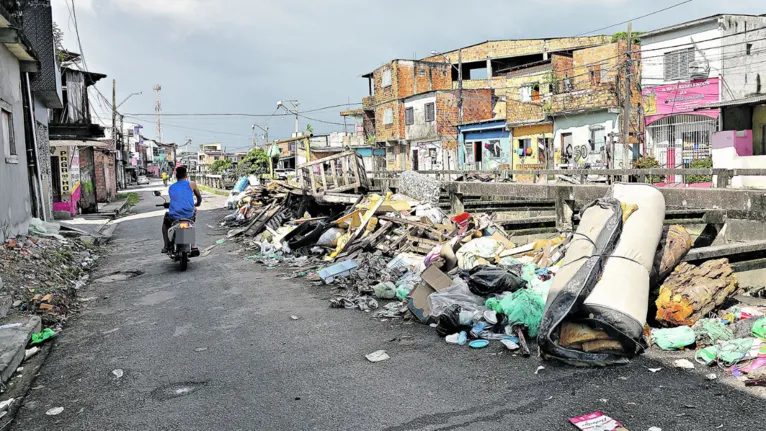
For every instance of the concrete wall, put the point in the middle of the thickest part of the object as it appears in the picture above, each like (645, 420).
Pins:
(740, 70)
(15, 200)
(580, 127)
(727, 158)
(653, 49)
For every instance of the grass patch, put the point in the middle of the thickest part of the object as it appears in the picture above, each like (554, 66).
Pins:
(131, 197)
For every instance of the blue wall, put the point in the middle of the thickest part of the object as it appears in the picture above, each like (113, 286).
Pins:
(494, 130)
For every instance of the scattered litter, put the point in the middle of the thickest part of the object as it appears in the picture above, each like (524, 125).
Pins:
(377, 356)
(221, 241)
(31, 352)
(711, 376)
(294, 317)
(596, 421)
(5, 404)
(118, 373)
(540, 368)
(200, 349)
(655, 429)
(12, 325)
(45, 335)
(478, 344)
(655, 370)
(683, 363)
(509, 344)
(54, 411)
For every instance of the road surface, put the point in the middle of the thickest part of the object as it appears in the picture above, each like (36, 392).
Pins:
(214, 348)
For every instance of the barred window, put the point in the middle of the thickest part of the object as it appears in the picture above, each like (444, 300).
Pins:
(676, 64)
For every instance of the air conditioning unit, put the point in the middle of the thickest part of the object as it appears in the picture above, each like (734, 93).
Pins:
(699, 70)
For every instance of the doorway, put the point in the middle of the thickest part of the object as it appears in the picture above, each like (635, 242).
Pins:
(56, 178)
(477, 155)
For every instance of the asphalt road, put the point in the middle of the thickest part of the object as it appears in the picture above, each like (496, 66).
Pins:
(215, 348)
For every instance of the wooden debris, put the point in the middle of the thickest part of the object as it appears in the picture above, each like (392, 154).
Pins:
(691, 292)
(674, 245)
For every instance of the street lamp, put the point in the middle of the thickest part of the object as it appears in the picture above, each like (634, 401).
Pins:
(295, 104)
(265, 130)
(129, 96)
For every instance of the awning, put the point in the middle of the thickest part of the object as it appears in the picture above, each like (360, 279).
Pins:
(753, 100)
(82, 143)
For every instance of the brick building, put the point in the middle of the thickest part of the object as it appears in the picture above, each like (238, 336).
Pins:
(430, 127)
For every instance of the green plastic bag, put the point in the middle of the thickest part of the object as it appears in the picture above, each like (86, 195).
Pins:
(45, 335)
(759, 328)
(524, 307)
(673, 338)
(385, 290)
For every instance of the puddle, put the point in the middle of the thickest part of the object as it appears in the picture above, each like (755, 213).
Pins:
(118, 276)
(176, 390)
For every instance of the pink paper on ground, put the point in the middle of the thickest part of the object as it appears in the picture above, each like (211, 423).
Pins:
(595, 421)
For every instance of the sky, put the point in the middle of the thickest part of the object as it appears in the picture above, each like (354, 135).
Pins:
(242, 56)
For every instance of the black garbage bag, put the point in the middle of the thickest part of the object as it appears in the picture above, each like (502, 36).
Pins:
(448, 322)
(485, 280)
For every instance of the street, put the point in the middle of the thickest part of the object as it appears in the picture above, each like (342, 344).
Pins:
(215, 348)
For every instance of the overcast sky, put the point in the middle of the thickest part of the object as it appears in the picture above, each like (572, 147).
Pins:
(241, 56)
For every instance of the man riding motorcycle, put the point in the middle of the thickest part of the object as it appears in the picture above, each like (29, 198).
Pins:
(182, 206)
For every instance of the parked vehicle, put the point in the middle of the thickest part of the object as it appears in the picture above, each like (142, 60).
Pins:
(143, 180)
(182, 236)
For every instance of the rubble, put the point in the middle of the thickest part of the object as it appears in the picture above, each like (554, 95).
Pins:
(41, 274)
(399, 256)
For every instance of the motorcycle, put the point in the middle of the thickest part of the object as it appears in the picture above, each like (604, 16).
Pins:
(181, 235)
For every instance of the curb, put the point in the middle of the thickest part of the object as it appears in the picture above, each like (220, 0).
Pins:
(13, 342)
(214, 191)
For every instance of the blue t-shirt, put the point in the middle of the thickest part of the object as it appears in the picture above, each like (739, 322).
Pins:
(181, 200)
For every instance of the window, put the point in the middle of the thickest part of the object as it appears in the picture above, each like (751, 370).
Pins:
(749, 48)
(524, 145)
(430, 112)
(604, 74)
(422, 72)
(758, 83)
(676, 64)
(525, 94)
(536, 92)
(409, 116)
(386, 78)
(597, 139)
(388, 116)
(7, 140)
(595, 75)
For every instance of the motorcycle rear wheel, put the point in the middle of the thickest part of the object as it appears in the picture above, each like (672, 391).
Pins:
(184, 260)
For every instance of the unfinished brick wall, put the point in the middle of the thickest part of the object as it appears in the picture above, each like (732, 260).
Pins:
(409, 77)
(511, 48)
(389, 132)
(477, 106)
(105, 181)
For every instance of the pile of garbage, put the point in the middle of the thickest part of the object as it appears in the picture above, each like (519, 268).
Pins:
(583, 297)
(43, 270)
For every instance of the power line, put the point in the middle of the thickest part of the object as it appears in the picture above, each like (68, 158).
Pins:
(635, 19)
(245, 114)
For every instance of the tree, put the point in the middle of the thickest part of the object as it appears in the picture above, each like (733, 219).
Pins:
(309, 128)
(220, 165)
(623, 35)
(255, 162)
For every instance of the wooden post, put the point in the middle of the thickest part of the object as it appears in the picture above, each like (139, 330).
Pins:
(324, 180)
(334, 173)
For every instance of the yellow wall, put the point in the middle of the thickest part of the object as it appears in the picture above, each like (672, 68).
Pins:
(533, 133)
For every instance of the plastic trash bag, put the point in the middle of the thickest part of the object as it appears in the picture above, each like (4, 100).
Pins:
(486, 280)
(449, 321)
(480, 251)
(385, 290)
(458, 294)
(330, 237)
(673, 338)
(522, 308)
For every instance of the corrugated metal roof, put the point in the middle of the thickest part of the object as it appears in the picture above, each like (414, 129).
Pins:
(760, 99)
(81, 143)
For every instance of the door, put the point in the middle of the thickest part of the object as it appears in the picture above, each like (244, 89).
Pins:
(415, 159)
(477, 155)
(567, 149)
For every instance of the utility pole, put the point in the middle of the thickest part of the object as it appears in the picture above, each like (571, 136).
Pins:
(626, 103)
(158, 109)
(117, 169)
(459, 97)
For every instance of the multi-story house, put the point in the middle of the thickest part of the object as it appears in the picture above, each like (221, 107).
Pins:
(691, 69)
(431, 125)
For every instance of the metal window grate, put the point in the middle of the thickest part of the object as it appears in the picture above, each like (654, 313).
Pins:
(409, 116)
(676, 64)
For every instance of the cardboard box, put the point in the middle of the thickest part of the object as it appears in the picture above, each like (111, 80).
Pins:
(433, 280)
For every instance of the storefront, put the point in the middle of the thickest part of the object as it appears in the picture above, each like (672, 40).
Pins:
(676, 134)
(484, 146)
